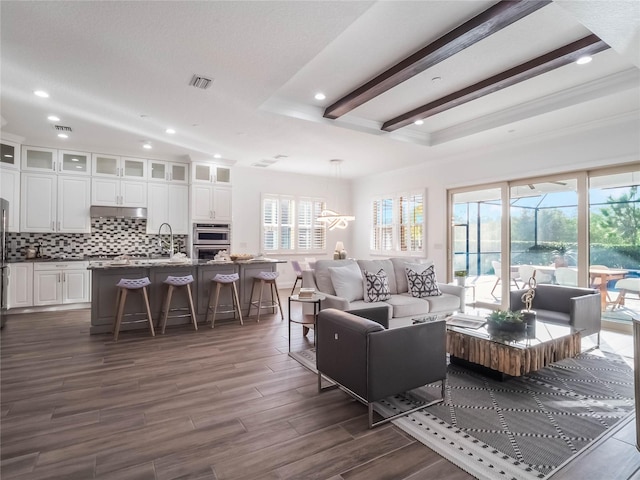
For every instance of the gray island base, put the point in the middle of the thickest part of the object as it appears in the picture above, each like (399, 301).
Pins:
(105, 277)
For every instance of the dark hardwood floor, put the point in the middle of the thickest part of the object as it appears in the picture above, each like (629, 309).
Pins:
(227, 403)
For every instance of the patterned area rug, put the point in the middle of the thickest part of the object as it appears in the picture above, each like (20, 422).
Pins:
(522, 428)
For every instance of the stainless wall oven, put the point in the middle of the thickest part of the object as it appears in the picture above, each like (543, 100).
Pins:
(208, 252)
(211, 234)
(209, 239)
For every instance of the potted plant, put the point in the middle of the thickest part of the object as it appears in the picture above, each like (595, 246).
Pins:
(562, 254)
(506, 320)
(460, 276)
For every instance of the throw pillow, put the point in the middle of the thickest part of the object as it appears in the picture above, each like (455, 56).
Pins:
(347, 282)
(376, 286)
(423, 284)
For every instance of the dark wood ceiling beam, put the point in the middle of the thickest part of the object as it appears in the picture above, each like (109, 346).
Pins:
(488, 22)
(550, 61)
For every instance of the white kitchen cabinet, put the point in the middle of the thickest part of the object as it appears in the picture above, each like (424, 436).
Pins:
(60, 283)
(10, 155)
(20, 292)
(119, 167)
(168, 172)
(39, 159)
(168, 203)
(74, 204)
(210, 202)
(38, 194)
(10, 191)
(202, 172)
(55, 203)
(74, 163)
(117, 192)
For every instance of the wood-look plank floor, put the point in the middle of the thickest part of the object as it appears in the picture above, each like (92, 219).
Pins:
(223, 403)
(227, 403)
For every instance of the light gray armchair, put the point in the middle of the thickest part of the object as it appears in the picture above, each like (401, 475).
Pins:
(371, 363)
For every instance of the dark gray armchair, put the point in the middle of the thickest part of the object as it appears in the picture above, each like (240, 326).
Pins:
(371, 363)
(578, 307)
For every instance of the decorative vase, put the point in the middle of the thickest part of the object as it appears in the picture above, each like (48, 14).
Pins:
(506, 326)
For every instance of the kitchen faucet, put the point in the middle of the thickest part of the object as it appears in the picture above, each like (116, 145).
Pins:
(163, 246)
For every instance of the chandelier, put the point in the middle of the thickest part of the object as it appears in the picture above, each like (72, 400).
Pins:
(334, 219)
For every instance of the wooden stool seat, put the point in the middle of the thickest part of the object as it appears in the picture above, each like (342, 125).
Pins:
(265, 278)
(221, 280)
(173, 284)
(126, 285)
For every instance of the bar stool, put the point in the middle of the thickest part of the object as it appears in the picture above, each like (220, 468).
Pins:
(126, 285)
(221, 280)
(268, 278)
(175, 283)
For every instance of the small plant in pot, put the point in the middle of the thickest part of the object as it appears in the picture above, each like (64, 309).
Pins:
(506, 320)
(460, 276)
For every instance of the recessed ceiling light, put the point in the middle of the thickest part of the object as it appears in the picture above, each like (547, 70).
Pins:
(419, 122)
(147, 146)
(8, 155)
(217, 155)
(63, 135)
(75, 160)
(436, 79)
(584, 60)
(41, 93)
(53, 118)
(170, 131)
(320, 96)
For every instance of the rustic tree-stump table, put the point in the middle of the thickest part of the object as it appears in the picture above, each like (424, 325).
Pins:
(512, 354)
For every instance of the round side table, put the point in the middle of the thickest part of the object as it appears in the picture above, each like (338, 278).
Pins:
(306, 320)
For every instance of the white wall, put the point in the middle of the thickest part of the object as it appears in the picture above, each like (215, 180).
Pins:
(613, 144)
(248, 186)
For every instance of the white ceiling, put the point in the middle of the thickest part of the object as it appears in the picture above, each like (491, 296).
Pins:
(118, 75)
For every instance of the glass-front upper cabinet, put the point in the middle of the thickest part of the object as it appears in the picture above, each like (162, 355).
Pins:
(10, 155)
(134, 168)
(179, 173)
(158, 171)
(168, 172)
(113, 166)
(39, 159)
(105, 165)
(211, 173)
(76, 163)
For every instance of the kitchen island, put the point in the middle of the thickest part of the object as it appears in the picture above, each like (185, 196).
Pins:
(105, 276)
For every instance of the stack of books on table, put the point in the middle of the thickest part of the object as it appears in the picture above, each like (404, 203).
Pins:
(306, 292)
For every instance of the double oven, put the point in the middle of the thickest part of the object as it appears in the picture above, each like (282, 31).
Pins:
(209, 239)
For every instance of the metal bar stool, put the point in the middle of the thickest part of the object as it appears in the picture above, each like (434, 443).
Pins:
(221, 280)
(263, 278)
(175, 283)
(126, 285)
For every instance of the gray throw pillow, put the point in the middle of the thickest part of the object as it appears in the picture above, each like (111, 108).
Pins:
(376, 286)
(423, 284)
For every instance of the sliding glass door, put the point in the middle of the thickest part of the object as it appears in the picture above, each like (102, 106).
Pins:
(580, 229)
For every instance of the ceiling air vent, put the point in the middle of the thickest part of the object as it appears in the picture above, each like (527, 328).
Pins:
(201, 82)
(62, 128)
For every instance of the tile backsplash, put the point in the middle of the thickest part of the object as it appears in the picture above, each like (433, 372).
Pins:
(108, 236)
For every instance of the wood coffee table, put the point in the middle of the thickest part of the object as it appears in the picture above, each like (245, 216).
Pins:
(512, 354)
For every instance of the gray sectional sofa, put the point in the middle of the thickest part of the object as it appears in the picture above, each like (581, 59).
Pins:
(349, 294)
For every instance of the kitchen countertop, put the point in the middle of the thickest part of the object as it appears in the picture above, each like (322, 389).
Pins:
(160, 263)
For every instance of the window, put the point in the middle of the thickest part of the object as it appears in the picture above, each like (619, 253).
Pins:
(398, 223)
(289, 224)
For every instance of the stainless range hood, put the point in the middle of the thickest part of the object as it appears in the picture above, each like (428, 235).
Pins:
(98, 211)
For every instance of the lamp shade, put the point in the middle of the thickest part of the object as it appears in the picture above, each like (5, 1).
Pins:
(339, 246)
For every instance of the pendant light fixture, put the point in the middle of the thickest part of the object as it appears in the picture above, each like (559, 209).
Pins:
(334, 219)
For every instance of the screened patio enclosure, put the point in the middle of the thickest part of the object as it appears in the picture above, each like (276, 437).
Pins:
(581, 230)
